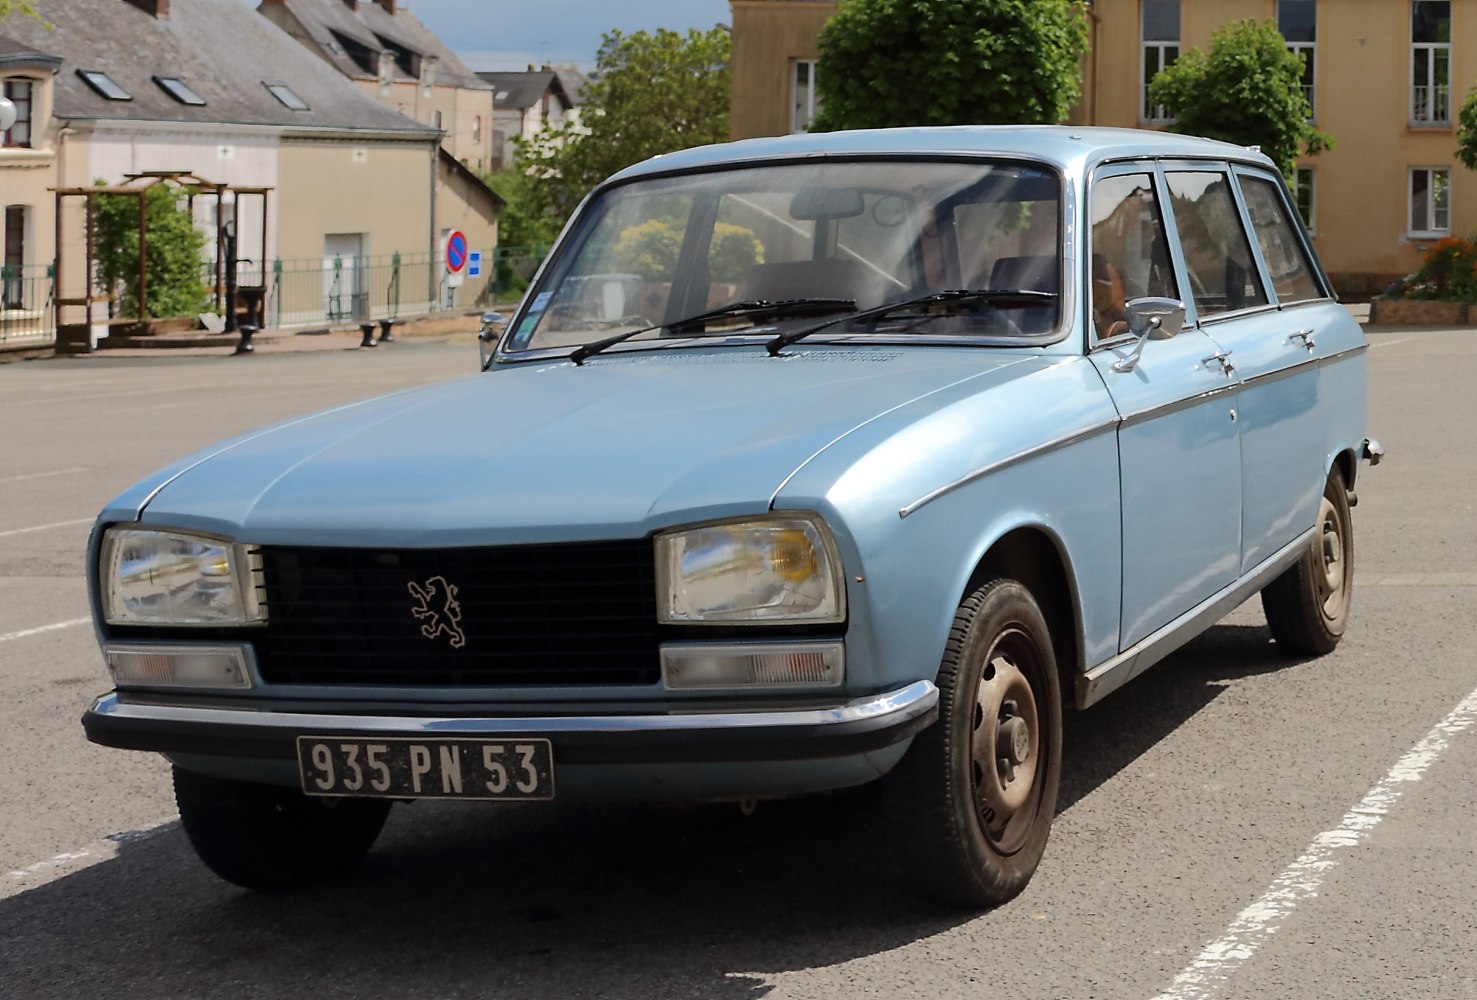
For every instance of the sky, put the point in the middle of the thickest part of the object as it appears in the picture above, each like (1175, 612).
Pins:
(511, 34)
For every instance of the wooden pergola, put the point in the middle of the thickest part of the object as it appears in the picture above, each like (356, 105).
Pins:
(137, 186)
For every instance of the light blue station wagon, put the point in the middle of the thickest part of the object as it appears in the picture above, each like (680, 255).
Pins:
(805, 462)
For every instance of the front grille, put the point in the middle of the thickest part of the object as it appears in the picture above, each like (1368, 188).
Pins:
(529, 615)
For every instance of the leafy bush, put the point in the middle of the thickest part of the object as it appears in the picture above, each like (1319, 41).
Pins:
(649, 250)
(172, 268)
(1448, 274)
(733, 252)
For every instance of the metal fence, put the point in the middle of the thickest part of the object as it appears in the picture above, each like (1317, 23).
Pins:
(27, 295)
(349, 289)
(329, 291)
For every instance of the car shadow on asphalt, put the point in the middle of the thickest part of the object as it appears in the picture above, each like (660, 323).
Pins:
(459, 900)
(1111, 735)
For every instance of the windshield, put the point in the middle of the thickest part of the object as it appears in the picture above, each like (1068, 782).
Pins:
(861, 234)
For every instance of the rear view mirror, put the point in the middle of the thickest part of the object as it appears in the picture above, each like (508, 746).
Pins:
(810, 204)
(1150, 319)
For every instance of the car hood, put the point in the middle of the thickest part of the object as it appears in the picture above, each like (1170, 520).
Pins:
(617, 447)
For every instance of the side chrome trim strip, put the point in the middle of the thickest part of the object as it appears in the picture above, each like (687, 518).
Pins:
(1020, 456)
(1107, 677)
(1189, 402)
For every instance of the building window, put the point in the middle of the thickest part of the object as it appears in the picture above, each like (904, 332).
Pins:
(1160, 34)
(13, 289)
(1430, 62)
(104, 85)
(179, 90)
(1302, 196)
(435, 119)
(1298, 22)
(1430, 201)
(386, 71)
(803, 104)
(476, 128)
(286, 97)
(21, 94)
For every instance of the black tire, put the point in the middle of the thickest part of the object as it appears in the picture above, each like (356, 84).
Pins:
(978, 826)
(1307, 607)
(272, 839)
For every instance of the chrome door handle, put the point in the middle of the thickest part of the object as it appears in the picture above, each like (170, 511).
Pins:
(1306, 336)
(1222, 358)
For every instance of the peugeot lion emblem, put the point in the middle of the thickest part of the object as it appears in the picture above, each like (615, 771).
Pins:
(438, 609)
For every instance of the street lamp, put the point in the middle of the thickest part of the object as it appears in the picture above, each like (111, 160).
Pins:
(7, 114)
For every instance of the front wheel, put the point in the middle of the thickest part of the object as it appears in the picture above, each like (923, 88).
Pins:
(274, 839)
(979, 787)
(1307, 607)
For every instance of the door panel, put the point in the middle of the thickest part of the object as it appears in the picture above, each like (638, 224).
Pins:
(1180, 465)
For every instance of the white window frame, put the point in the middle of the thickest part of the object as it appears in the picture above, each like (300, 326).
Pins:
(1433, 232)
(1309, 51)
(802, 113)
(1430, 100)
(1310, 223)
(1165, 51)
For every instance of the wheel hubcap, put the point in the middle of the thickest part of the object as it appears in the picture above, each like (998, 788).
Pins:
(1004, 744)
(1328, 549)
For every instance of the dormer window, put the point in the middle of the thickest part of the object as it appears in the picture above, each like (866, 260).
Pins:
(286, 97)
(176, 88)
(103, 85)
(21, 93)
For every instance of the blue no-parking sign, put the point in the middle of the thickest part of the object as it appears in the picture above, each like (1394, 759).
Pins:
(456, 251)
(474, 264)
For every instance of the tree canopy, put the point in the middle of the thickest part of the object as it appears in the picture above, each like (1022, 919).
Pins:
(8, 7)
(1247, 89)
(949, 62)
(651, 93)
(173, 256)
(1466, 132)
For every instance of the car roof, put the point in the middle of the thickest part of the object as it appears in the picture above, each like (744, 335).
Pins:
(1069, 147)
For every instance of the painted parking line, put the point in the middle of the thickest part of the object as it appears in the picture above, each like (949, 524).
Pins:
(1457, 579)
(45, 527)
(44, 628)
(34, 876)
(1387, 343)
(41, 475)
(1207, 976)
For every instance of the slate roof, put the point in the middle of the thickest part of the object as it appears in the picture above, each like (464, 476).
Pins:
(15, 53)
(221, 49)
(523, 89)
(347, 39)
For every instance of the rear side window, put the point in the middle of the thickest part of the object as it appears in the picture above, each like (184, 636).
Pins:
(1218, 259)
(1288, 265)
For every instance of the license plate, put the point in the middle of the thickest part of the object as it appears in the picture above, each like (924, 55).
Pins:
(407, 768)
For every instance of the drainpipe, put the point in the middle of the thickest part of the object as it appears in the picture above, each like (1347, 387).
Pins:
(1094, 21)
(433, 285)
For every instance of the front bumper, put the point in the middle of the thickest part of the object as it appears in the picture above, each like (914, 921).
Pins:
(865, 724)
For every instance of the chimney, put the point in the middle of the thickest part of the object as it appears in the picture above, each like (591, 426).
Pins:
(388, 5)
(352, 5)
(154, 8)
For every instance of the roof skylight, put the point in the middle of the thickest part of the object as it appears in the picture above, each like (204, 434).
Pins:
(176, 88)
(284, 94)
(103, 84)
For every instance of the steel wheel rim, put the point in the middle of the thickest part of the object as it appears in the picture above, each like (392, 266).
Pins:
(1330, 577)
(1006, 741)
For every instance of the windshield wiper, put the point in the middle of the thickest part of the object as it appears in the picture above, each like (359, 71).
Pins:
(999, 298)
(755, 309)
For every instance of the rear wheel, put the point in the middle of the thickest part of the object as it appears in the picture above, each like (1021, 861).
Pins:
(979, 787)
(274, 839)
(1307, 606)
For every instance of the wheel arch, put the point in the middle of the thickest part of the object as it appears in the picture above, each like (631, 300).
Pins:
(1035, 556)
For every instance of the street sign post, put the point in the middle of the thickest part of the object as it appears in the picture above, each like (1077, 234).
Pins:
(456, 258)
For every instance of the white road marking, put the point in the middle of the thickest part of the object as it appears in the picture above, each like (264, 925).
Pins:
(41, 475)
(34, 876)
(1207, 975)
(44, 628)
(45, 527)
(1388, 343)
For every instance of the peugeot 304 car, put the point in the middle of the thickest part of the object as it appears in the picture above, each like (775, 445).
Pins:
(804, 463)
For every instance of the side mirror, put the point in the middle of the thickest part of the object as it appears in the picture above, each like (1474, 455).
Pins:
(488, 331)
(1150, 319)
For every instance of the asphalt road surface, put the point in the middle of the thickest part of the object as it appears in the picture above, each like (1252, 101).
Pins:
(1233, 824)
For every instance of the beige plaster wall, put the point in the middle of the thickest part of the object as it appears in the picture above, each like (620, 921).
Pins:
(379, 188)
(768, 36)
(459, 107)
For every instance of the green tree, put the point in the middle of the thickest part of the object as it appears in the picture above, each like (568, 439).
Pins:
(949, 62)
(174, 285)
(651, 93)
(8, 7)
(519, 223)
(1466, 132)
(1246, 89)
